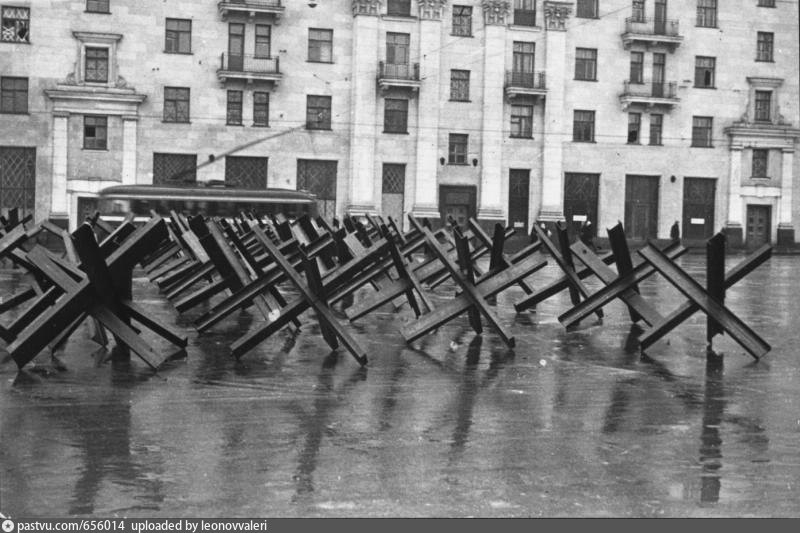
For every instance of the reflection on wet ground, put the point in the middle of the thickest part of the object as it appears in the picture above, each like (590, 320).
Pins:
(569, 423)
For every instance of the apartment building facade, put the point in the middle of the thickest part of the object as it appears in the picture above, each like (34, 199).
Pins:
(643, 111)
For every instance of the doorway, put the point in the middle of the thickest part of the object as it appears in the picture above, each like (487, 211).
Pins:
(641, 207)
(519, 186)
(457, 201)
(758, 225)
(698, 208)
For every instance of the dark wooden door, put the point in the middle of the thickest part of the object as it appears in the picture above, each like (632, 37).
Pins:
(758, 225)
(660, 16)
(235, 46)
(457, 202)
(580, 201)
(698, 208)
(519, 183)
(641, 207)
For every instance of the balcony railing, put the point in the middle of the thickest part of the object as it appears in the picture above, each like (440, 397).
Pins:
(525, 17)
(398, 75)
(650, 93)
(251, 7)
(249, 67)
(525, 83)
(651, 31)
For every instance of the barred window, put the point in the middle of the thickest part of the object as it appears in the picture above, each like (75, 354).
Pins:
(96, 65)
(457, 149)
(522, 121)
(637, 67)
(395, 115)
(704, 69)
(459, 85)
(15, 24)
(764, 46)
(763, 106)
(95, 132)
(13, 95)
(634, 127)
(583, 126)
(701, 131)
(760, 163)
(320, 45)
(318, 112)
(97, 6)
(260, 108)
(707, 13)
(586, 64)
(172, 168)
(462, 21)
(176, 104)
(656, 127)
(586, 9)
(234, 113)
(178, 36)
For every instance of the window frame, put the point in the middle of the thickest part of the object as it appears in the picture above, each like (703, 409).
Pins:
(171, 94)
(321, 46)
(583, 7)
(97, 62)
(656, 134)
(257, 112)
(526, 9)
(98, 143)
(459, 83)
(584, 64)
(12, 94)
(761, 112)
(17, 25)
(706, 140)
(579, 127)
(398, 8)
(635, 126)
(176, 34)
(322, 122)
(699, 70)
(706, 14)
(97, 5)
(754, 172)
(765, 3)
(639, 80)
(399, 115)
(521, 123)
(457, 149)
(762, 50)
(234, 106)
(464, 17)
(393, 43)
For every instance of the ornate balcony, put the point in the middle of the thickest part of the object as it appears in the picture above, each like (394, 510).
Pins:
(649, 94)
(403, 76)
(251, 8)
(249, 68)
(525, 84)
(651, 32)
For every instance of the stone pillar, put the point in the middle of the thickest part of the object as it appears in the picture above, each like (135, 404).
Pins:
(490, 208)
(785, 226)
(556, 15)
(363, 106)
(426, 191)
(733, 227)
(129, 127)
(59, 203)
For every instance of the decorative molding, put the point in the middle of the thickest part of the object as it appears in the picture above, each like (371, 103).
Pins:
(495, 12)
(431, 9)
(366, 7)
(556, 15)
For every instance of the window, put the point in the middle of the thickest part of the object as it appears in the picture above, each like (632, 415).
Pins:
(13, 95)
(176, 104)
(583, 126)
(764, 46)
(522, 121)
(634, 127)
(397, 45)
(457, 149)
(16, 23)
(763, 106)
(260, 108)
(701, 131)
(760, 162)
(172, 168)
(525, 12)
(395, 115)
(707, 13)
(179, 36)
(766, 3)
(398, 7)
(656, 126)
(523, 57)
(462, 21)
(637, 67)
(704, 72)
(246, 172)
(96, 65)
(586, 9)
(262, 44)
(586, 64)
(459, 85)
(95, 132)
(320, 45)
(234, 108)
(637, 12)
(318, 112)
(97, 6)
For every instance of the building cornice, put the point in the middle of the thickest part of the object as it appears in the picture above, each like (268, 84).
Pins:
(743, 135)
(98, 100)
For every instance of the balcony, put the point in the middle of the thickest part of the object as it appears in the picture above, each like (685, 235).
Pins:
(651, 32)
(249, 68)
(525, 84)
(402, 76)
(649, 94)
(252, 8)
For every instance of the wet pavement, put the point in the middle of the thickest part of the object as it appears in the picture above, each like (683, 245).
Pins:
(569, 423)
